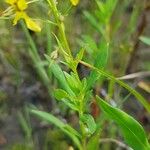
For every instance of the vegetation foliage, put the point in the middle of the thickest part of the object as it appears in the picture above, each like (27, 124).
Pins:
(76, 69)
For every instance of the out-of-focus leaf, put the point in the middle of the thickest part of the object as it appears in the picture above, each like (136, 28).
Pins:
(133, 20)
(67, 129)
(80, 54)
(91, 18)
(145, 40)
(132, 131)
(106, 10)
(145, 86)
(100, 62)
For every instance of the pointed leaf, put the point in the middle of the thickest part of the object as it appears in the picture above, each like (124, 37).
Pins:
(72, 133)
(58, 73)
(60, 94)
(80, 54)
(132, 131)
(89, 121)
(100, 62)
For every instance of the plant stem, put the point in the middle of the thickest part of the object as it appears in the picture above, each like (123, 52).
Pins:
(59, 20)
(83, 131)
(119, 143)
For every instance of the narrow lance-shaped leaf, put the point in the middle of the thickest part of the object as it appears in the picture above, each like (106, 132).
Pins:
(93, 21)
(58, 73)
(62, 95)
(132, 131)
(100, 62)
(67, 129)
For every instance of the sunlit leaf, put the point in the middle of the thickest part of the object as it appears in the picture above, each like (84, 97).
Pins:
(133, 132)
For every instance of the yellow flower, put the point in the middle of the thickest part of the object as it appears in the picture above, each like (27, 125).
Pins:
(74, 2)
(20, 6)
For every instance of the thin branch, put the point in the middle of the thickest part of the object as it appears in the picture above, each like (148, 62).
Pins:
(135, 75)
(119, 143)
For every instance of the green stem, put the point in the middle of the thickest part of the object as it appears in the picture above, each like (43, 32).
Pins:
(49, 39)
(83, 131)
(61, 27)
(60, 24)
(84, 143)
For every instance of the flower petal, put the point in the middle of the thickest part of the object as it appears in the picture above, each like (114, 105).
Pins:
(22, 5)
(29, 22)
(11, 2)
(74, 2)
(19, 15)
(32, 25)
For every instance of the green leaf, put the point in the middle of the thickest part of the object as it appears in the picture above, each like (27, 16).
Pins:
(89, 121)
(89, 44)
(60, 94)
(68, 100)
(67, 129)
(93, 143)
(145, 40)
(101, 6)
(58, 73)
(133, 19)
(73, 82)
(100, 62)
(105, 10)
(80, 54)
(71, 104)
(25, 125)
(91, 18)
(66, 56)
(132, 131)
(110, 6)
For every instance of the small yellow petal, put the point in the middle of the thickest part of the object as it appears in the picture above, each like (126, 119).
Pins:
(22, 5)
(19, 15)
(29, 22)
(74, 2)
(32, 25)
(11, 2)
